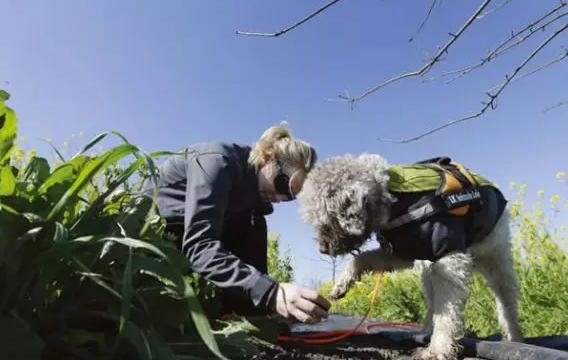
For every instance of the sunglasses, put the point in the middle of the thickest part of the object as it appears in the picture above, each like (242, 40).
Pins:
(286, 185)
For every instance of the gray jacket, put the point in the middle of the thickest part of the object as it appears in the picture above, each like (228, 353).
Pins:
(203, 188)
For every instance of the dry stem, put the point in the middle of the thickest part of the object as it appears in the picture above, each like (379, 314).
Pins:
(293, 26)
(434, 2)
(506, 45)
(557, 105)
(503, 4)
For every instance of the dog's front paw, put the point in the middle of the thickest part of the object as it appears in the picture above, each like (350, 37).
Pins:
(429, 353)
(338, 291)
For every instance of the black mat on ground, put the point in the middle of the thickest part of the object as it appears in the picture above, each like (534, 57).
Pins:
(404, 338)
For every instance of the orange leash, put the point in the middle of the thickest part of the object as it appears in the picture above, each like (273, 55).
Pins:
(332, 336)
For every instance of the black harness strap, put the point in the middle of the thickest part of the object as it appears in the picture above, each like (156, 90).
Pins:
(441, 201)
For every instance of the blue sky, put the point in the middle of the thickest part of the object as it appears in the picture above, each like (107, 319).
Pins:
(170, 73)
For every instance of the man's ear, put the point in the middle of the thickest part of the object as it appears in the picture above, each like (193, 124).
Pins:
(353, 215)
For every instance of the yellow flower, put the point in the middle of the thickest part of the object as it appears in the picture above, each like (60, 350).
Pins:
(555, 198)
(540, 193)
(560, 175)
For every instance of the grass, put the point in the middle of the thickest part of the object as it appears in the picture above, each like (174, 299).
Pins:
(540, 262)
(85, 269)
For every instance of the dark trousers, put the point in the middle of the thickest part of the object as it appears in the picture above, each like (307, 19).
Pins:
(245, 236)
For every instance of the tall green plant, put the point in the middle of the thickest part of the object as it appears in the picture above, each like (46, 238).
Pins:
(85, 271)
(279, 264)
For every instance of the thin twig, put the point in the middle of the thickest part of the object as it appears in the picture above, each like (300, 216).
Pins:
(428, 66)
(557, 105)
(424, 21)
(503, 4)
(504, 46)
(492, 97)
(542, 67)
(293, 26)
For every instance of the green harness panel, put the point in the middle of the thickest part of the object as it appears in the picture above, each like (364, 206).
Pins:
(417, 178)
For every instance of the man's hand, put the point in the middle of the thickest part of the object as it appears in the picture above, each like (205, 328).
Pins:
(306, 305)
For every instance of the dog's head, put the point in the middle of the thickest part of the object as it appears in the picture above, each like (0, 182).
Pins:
(341, 199)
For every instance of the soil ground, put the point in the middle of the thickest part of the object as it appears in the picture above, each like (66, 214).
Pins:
(364, 349)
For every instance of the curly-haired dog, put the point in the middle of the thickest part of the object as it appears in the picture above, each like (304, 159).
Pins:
(435, 212)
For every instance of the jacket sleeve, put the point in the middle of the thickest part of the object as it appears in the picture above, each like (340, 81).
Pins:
(209, 182)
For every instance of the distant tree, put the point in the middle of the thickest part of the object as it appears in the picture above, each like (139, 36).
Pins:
(332, 263)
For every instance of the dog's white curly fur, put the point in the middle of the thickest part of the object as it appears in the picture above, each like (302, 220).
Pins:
(350, 190)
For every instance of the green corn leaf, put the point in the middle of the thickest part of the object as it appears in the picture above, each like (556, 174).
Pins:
(99, 138)
(96, 278)
(160, 270)
(127, 291)
(90, 170)
(8, 209)
(65, 174)
(8, 128)
(4, 96)
(202, 323)
(130, 242)
(139, 340)
(121, 179)
(7, 181)
(91, 143)
(61, 157)
(36, 171)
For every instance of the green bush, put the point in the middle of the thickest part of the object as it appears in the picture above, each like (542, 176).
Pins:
(85, 271)
(279, 265)
(540, 262)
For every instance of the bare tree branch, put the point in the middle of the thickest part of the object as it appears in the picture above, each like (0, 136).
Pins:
(505, 45)
(293, 26)
(434, 2)
(542, 67)
(503, 4)
(557, 105)
(428, 66)
(492, 97)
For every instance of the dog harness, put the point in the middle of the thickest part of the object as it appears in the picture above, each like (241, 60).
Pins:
(441, 206)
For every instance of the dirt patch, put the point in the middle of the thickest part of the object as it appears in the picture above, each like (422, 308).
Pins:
(327, 352)
(356, 348)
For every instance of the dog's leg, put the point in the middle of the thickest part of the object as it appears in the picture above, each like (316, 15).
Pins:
(502, 279)
(494, 260)
(450, 280)
(429, 293)
(370, 260)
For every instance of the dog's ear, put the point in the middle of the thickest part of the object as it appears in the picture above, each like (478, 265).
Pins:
(354, 209)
